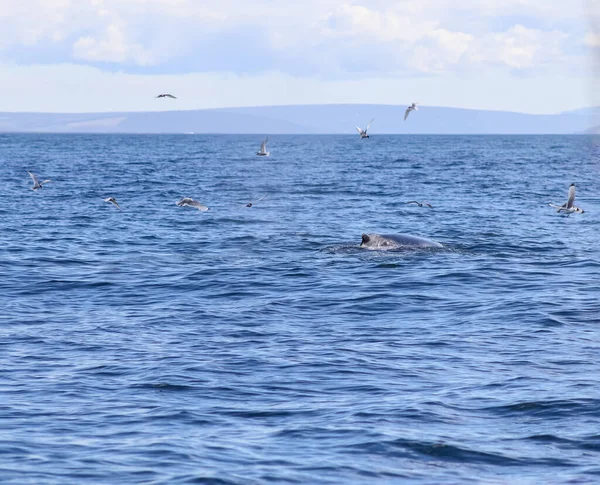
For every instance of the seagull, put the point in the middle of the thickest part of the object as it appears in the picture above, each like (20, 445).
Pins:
(166, 95)
(114, 201)
(420, 204)
(36, 183)
(363, 133)
(568, 206)
(263, 148)
(188, 201)
(412, 107)
(251, 204)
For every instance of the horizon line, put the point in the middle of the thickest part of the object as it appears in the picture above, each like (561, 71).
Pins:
(170, 133)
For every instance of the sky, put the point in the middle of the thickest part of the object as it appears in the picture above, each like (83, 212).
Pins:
(531, 56)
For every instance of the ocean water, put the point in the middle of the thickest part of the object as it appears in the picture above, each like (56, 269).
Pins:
(263, 345)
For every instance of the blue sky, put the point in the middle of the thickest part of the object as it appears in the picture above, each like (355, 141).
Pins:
(533, 56)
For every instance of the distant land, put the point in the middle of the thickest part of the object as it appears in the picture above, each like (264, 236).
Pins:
(309, 119)
(594, 130)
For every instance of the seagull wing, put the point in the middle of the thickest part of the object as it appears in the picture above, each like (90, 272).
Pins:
(571, 198)
(369, 125)
(198, 205)
(406, 113)
(412, 202)
(263, 145)
(171, 96)
(45, 181)
(112, 200)
(360, 130)
(192, 203)
(33, 177)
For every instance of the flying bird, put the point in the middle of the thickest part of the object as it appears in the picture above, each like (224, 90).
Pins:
(412, 107)
(420, 204)
(36, 183)
(263, 148)
(188, 201)
(113, 201)
(363, 133)
(568, 206)
(166, 95)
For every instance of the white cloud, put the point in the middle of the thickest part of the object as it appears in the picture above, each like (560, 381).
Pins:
(331, 40)
(522, 48)
(28, 23)
(427, 36)
(446, 49)
(592, 40)
(112, 47)
(360, 23)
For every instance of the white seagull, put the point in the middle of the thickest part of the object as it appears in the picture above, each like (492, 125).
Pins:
(36, 183)
(188, 201)
(568, 206)
(412, 107)
(166, 95)
(113, 201)
(363, 133)
(420, 204)
(263, 148)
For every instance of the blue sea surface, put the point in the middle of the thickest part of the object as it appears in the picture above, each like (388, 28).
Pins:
(164, 345)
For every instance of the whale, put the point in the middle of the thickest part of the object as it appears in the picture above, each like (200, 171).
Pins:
(397, 241)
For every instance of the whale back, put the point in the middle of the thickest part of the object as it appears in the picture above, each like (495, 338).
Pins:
(396, 241)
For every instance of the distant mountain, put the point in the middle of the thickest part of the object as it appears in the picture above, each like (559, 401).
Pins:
(590, 111)
(310, 119)
(594, 130)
